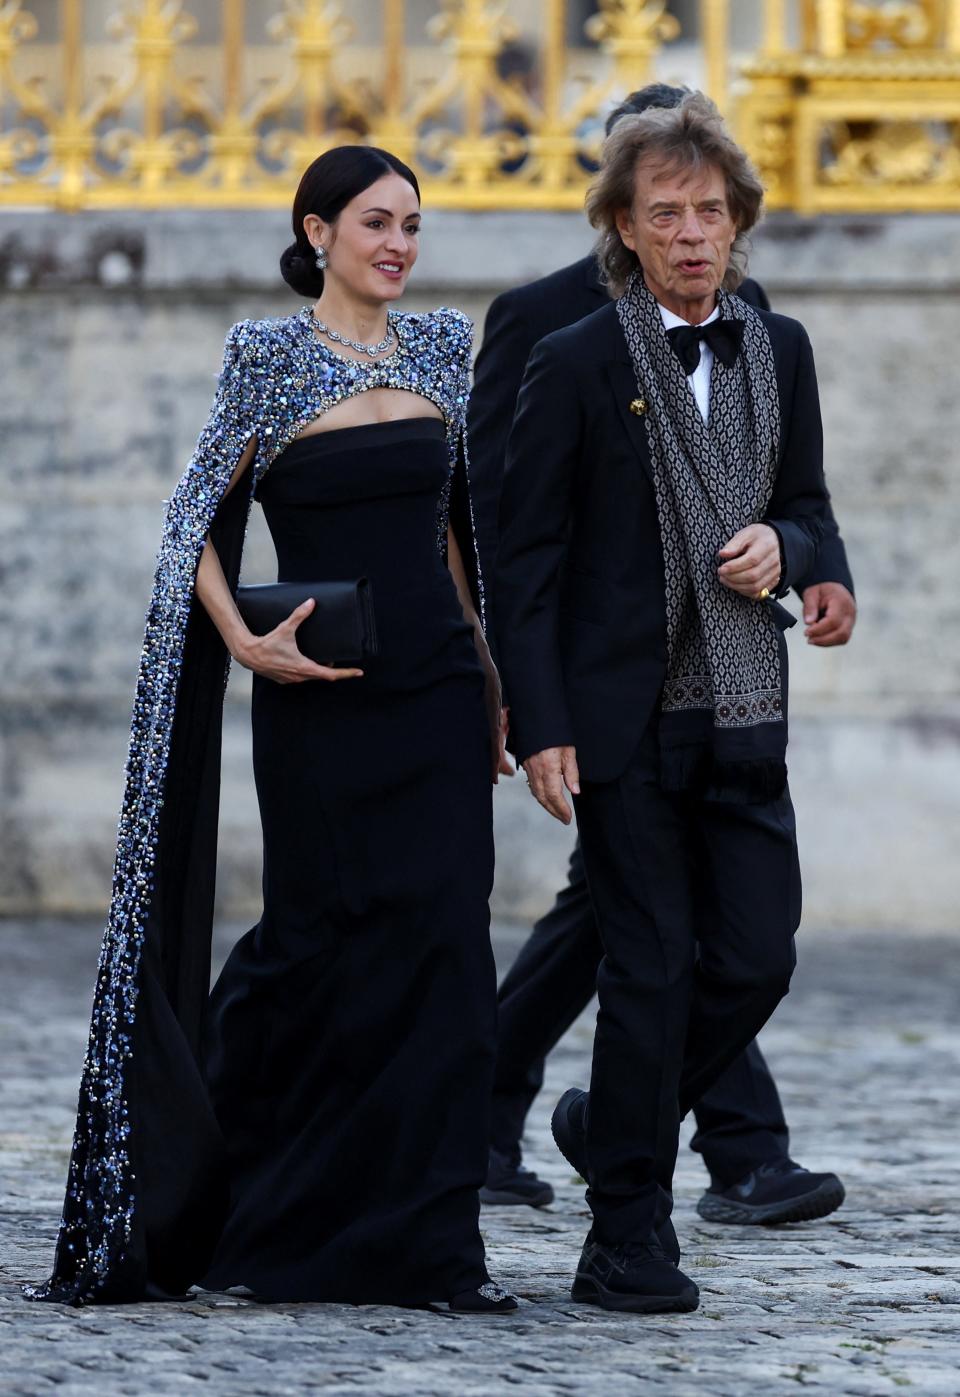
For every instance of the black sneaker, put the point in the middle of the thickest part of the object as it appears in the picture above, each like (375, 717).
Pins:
(569, 1127)
(773, 1193)
(667, 1238)
(635, 1276)
(510, 1185)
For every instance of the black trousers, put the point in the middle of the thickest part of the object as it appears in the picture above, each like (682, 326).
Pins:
(740, 1121)
(697, 903)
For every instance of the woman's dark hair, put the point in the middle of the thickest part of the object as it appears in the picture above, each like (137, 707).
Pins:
(326, 188)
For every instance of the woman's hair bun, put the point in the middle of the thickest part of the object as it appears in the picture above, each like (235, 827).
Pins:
(298, 267)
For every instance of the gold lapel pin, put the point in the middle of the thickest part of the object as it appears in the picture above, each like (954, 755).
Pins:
(638, 407)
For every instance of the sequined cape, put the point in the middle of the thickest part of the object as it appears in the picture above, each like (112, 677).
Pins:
(146, 1190)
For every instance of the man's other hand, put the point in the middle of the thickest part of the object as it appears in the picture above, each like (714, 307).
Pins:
(829, 614)
(550, 772)
(750, 562)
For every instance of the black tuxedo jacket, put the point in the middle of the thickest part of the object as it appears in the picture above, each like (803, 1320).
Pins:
(579, 582)
(515, 322)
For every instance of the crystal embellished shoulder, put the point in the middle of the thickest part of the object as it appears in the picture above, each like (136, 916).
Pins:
(292, 377)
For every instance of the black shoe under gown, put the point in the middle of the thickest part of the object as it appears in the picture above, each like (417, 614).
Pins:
(352, 1032)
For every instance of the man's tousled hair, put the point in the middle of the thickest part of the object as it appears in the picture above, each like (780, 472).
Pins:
(655, 94)
(690, 136)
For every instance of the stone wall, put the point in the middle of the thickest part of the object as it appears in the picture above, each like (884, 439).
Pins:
(112, 333)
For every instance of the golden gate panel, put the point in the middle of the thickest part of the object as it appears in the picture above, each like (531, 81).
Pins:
(499, 103)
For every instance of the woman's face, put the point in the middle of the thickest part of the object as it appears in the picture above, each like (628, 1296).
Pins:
(374, 243)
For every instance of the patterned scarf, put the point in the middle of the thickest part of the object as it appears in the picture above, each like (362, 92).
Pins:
(722, 724)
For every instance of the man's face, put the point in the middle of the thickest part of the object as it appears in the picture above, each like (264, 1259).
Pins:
(681, 229)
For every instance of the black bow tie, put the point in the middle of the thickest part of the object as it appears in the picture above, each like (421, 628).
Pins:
(723, 336)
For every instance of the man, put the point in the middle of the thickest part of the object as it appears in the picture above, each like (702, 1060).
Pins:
(741, 1132)
(664, 482)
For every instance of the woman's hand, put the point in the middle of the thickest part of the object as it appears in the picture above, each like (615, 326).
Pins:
(505, 763)
(277, 657)
(750, 562)
(496, 714)
(497, 717)
(274, 655)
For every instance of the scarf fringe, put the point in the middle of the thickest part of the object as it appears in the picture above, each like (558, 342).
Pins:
(697, 771)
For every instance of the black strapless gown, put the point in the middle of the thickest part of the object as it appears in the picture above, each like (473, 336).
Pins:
(352, 1032)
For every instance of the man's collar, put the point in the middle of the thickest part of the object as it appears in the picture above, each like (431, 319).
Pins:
(671, 321)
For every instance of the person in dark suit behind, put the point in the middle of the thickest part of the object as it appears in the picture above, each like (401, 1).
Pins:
(741, 1131)
(640, 554)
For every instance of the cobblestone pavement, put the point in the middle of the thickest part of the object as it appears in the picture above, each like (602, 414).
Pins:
(867, 1052)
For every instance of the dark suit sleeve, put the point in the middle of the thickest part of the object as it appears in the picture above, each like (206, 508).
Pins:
(535, 507)
(831, 564)
(497, 376)
(800, 499)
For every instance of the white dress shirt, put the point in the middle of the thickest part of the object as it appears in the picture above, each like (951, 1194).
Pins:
(699, 380)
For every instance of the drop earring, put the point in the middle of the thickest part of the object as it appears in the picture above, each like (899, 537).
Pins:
(321, 258)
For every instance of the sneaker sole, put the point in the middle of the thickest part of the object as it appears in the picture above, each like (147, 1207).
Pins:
(503, 1198)
(587, 1291)
(819, 1203)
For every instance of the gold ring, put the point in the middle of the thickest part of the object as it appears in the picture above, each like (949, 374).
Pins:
(764, 593)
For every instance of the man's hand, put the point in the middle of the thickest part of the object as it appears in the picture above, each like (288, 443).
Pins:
(829, 614)
(751, 561)
(549, 772)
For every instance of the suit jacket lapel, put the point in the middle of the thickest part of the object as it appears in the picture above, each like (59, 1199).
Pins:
(623, 384)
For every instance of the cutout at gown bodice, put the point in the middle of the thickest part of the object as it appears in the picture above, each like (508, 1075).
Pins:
(362, 502)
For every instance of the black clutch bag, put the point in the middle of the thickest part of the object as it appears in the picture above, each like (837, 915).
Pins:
(340, 629)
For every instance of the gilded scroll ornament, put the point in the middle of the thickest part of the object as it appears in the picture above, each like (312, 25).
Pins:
(634, 30)
(899, 25)
(892, 153)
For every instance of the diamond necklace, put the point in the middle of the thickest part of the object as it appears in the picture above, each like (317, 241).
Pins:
(370, 349)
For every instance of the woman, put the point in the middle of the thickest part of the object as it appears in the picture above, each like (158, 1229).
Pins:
(318, 1131)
